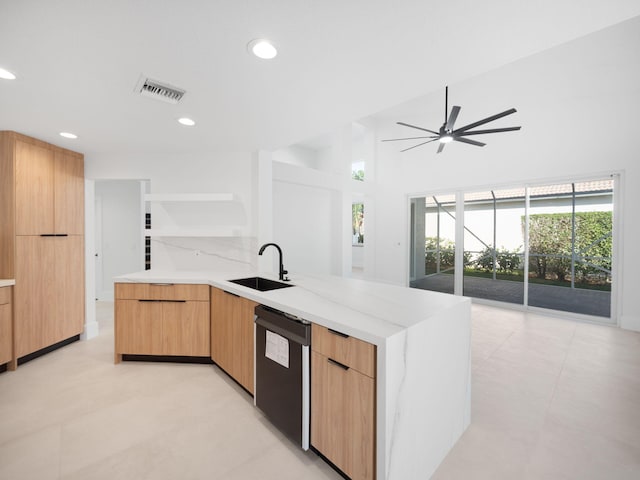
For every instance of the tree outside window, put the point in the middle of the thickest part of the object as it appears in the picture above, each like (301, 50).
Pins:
(357, 223)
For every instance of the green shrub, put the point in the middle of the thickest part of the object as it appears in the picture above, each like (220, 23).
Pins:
(550, 235)
(447, 254)
(507, 261)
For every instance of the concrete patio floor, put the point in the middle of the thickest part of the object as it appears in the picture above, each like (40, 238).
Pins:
(577, 300)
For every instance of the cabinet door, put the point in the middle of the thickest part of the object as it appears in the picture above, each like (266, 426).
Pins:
(34, 189)
(185, 327)
(244, 344)
(34, 297)
(69, 286)
(6, 336)
(223, 311)
(68, 188)
(232, 343)
(138, 327)
(342, 417)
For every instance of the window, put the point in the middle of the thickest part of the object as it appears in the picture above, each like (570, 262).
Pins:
(357, 171)
(357, 223)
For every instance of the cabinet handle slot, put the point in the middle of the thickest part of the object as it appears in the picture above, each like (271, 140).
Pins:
(229, 293)
(340, 334)
(62, 234)
(162, 284)
(337, 364)
(170, 301)
(47, 234)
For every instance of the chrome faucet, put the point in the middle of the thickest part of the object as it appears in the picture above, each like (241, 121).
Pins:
(282, 272)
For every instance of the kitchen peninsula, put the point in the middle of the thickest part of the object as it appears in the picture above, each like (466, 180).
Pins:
(422, 359)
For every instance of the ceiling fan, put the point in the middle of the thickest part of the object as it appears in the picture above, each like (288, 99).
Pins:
(447, 133)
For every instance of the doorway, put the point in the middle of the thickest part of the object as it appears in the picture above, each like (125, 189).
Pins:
(119, 232)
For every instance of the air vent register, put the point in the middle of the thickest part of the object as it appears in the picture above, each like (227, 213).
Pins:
(159, 90)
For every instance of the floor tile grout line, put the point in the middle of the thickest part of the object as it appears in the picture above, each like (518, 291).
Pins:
(564, 361)
(549, 402)
(499, 346)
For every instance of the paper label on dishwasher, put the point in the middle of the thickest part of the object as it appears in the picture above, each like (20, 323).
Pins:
(277, 349)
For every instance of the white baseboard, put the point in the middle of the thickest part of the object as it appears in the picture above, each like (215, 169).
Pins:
(91, 330)
(629, 322)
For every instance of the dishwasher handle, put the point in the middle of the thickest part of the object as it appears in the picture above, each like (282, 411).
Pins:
(282, 330)
(279, 323)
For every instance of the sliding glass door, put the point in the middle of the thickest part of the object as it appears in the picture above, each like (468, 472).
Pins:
(548, 246)
(433, 228)
(494, 245)
(570, 247)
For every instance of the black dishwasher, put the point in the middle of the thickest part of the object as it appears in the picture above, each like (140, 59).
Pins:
(282, 371)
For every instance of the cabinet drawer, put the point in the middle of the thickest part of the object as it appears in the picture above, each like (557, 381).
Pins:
(349, 351)
(162, 291)
(5, 295)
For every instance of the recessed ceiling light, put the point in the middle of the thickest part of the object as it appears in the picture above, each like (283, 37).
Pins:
(262, 48)
(186, 121)
(6, 74)
(68, 135)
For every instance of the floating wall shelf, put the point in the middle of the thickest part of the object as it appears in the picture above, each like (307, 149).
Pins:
(186, 232)
(190, 197)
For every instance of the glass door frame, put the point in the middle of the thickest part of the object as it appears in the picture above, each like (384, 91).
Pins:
(617, 209)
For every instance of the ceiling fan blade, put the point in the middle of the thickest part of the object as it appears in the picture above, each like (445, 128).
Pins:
(452, 118)
(407, 138)
(485, 120)
(429, 141)
(441, 147)
(491, 130)
(419, 128)
(471, 142)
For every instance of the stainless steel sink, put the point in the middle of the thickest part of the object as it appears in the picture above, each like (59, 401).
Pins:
(260, 283)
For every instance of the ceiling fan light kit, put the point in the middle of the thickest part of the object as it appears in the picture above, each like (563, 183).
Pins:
(447, 133)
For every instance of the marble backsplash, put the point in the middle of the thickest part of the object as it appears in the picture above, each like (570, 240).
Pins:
(204, 253)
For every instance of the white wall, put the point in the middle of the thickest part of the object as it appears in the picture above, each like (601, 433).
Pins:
(307, 212)
(577, 105)
(220, 172)
(121, 222)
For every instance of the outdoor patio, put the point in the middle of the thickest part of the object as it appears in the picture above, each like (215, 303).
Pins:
(577, 300)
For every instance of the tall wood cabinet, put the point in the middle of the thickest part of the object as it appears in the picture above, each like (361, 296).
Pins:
(42, 239)
(232, 339)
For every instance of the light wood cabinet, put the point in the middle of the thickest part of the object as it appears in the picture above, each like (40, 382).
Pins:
(42, 241)
(161, 319)
(343, 390)
(232, 338)
(34, 188)
(6, 328)
(68, 200)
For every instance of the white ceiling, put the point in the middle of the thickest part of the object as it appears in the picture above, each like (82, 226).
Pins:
(78, 61)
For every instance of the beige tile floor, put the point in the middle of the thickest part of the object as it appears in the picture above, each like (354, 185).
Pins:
(552, 399)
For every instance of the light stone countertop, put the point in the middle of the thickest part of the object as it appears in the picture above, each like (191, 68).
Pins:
(7, 282)
(368, 310)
